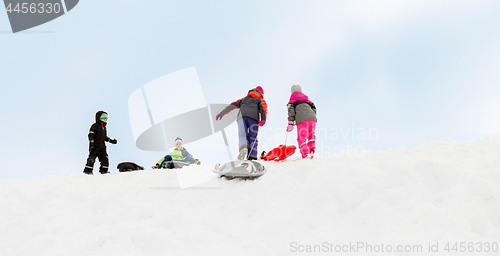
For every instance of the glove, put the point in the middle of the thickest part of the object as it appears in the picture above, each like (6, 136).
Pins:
(289, 128)
(218, 117)
(113, 141)
(262, 123)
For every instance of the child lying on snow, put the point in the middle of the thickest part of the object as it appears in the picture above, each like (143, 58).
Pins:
(179, 154)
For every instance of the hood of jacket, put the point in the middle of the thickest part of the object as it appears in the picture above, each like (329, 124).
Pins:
(98, 116)
(298, 96)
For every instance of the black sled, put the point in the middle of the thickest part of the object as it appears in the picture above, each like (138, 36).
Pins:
(128, 167)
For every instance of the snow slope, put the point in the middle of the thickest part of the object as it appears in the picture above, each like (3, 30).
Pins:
(444, 192)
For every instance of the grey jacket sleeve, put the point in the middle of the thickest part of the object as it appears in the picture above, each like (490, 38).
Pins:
(291, 112)
(228, 108)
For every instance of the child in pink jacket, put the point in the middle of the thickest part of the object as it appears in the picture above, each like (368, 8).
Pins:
(302, 112)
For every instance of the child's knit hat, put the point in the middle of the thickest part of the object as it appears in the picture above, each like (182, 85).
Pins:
(104, 116)
(178, 139)
(296, 88)
(259, 88)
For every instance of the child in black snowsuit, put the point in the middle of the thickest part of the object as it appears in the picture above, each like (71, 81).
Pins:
(97, 147)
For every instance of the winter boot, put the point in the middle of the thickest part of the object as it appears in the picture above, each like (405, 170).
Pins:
(311, 154)
(243, 154)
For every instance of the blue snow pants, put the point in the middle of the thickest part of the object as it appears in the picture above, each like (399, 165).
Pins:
(248, 130)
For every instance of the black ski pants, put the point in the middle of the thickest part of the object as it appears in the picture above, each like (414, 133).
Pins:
(102, 155)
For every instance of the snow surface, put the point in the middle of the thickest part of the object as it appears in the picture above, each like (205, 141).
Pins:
(434, 193)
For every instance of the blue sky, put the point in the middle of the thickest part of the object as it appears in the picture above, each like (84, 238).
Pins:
(416, 71)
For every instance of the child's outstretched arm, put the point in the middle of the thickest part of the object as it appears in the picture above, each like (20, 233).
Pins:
(229, 108)
(110, 140)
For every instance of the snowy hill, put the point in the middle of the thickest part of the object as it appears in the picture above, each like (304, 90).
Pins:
(409, 200)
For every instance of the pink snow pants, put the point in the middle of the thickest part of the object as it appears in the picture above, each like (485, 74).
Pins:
(306, 137)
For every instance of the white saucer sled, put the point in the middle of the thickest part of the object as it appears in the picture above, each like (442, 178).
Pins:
(242, 169)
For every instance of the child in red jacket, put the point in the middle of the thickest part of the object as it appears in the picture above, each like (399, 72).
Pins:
(253, 113)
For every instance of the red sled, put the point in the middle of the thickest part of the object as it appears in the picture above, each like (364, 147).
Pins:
(278, 154)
